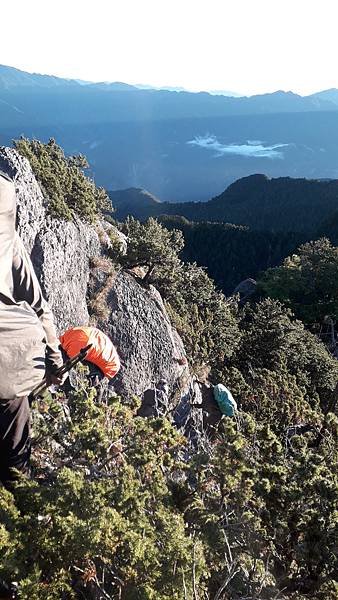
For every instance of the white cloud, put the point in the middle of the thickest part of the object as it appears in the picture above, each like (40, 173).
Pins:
(251, 149)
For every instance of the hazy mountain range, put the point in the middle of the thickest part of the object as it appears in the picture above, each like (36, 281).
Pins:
(181, 146)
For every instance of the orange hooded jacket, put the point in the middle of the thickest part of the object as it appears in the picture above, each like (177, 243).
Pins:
(103, 353)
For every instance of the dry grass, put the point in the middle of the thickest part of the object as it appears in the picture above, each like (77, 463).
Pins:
(98, 305)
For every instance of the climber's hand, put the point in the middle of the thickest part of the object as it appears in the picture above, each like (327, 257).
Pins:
(53, 379)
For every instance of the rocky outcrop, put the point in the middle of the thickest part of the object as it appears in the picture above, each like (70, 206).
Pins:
(245, 289)
(61, 255)
(60, 250)
(149, 347)
(31, 212)
(136, 320)
(74, 275)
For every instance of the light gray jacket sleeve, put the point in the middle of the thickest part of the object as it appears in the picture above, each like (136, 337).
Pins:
(26, 287)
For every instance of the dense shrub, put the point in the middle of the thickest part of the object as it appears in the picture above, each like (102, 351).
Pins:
(100, 512)
(68, 191)
(151, 246)
(307, 282)
(117, 510)
(201, 314)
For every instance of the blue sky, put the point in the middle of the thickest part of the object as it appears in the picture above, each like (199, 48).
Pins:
(248, 46)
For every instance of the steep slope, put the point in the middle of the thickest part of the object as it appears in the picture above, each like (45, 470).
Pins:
(232, 253)
(125, 202)
(11, 77)
(120, 506)
(330, 95)
(67, 256)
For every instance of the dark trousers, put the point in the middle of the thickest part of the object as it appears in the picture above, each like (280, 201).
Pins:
(15, 444)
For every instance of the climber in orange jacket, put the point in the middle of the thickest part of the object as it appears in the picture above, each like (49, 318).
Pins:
(102, 358)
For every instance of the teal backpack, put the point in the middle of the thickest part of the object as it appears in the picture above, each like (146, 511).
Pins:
(225, 400)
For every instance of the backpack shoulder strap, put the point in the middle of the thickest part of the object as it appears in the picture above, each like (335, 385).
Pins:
(5, 176)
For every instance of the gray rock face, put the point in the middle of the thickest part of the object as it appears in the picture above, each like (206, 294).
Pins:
(60, 250)
(61, 255)
(149, 348)
(245, 289)
(31, 213)
(67, 257)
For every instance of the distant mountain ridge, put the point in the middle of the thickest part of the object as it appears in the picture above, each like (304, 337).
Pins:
(12, 79)
(258, 202)
(125, 201)
(330, 95)
(182, 146)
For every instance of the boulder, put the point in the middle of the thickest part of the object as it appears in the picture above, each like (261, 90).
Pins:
(67, 256)
(245, 289)
(149, 347)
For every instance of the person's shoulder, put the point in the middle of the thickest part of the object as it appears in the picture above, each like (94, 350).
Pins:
(7, 188)
(5, 176)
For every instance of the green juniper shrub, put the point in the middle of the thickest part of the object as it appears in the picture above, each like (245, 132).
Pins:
(271, 338)
(307, 282)
(118, 509)
(203, 317)
(151, 246)
(68, 191)
(99, 513)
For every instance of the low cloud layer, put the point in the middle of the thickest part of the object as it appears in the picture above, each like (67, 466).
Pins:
(251, 149)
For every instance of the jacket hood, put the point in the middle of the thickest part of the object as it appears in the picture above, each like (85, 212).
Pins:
(7, 234)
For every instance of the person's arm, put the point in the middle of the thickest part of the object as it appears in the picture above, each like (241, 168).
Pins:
(26, 287)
